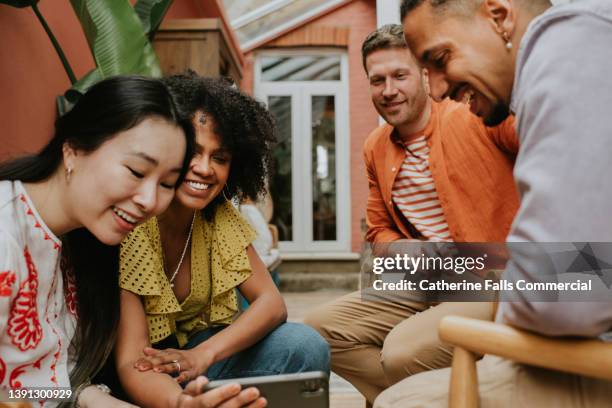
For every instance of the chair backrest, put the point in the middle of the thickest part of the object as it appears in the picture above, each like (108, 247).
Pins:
(590, 357)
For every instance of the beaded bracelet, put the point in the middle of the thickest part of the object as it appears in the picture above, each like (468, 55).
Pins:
(102, 387)
(78, 391)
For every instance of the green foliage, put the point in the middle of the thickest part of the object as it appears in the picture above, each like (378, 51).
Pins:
(119, 37)
(151, 14)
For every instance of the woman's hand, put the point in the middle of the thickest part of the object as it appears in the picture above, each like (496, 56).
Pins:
(92, 397)
(227, 396)
(186, 364)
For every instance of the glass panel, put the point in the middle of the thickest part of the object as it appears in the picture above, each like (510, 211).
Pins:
(323, 168)
(278, 17)
(301, 68)
(280, 182)
(238, 8)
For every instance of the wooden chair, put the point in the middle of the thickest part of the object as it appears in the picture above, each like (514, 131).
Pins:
(472, 338)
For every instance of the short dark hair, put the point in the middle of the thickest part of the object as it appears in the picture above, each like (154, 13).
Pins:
(466, 7)
(463, 6)
(386, 37)
(245, 127)
(407, 6)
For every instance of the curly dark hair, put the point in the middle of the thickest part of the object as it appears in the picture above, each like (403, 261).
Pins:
(245, 127)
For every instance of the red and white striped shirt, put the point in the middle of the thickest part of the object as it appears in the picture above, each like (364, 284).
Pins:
(414, 192)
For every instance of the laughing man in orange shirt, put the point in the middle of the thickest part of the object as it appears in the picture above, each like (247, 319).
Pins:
(435, 174)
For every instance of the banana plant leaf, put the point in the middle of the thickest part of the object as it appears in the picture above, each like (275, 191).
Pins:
(19, 3)
(116, 38)
(117, 34)
(151, 14)
(93, 76)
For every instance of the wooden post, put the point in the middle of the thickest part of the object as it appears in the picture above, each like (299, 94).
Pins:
(463, 392)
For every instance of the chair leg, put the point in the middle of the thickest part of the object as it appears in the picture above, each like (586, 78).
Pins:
(463, 392)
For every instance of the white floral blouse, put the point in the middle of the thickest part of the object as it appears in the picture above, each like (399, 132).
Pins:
(37, 309)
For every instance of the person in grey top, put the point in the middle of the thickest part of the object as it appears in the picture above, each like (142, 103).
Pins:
(550, 66)
(562, 99)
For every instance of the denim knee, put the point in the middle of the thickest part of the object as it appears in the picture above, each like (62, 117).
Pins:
(304, 348)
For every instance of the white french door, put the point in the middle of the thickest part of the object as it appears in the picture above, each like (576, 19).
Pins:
(307, 93)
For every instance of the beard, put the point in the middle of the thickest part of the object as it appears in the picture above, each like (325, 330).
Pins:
(499, 113)
(414, 110)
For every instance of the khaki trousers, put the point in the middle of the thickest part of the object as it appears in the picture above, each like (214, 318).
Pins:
(375, 344)
(502, 384)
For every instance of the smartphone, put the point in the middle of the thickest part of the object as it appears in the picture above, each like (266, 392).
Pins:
(301, 390)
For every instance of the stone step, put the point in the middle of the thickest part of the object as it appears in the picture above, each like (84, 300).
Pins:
(307, 282)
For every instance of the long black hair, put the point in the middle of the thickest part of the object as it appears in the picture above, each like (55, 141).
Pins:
(245, 126)
(107, 108)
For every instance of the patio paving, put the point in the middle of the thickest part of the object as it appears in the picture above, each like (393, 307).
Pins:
(342, 393)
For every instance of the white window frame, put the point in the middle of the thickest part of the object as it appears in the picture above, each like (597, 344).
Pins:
(301, 149)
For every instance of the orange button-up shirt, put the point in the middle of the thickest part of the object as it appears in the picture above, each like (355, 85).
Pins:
(471, 165)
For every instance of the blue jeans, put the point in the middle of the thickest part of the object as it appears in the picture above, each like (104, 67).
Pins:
(290, 348)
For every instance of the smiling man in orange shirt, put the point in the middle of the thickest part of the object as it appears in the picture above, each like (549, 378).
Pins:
(435, 174)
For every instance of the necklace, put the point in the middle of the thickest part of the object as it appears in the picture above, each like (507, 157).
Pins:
(184, 251)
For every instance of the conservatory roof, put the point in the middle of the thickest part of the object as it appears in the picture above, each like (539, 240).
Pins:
(258, 21)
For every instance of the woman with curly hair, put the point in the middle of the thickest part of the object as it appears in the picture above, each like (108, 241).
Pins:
(180, 270)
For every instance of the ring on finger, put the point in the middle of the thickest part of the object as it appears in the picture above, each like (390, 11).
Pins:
(178, 365)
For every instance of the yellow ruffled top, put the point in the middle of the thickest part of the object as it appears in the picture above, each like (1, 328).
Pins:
(219, 263)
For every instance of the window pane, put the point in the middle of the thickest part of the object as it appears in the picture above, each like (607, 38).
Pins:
(301, 68)
(323, 168)
(280, 183)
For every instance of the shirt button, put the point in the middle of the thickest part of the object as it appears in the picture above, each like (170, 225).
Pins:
(390, 202)
(392, 168)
